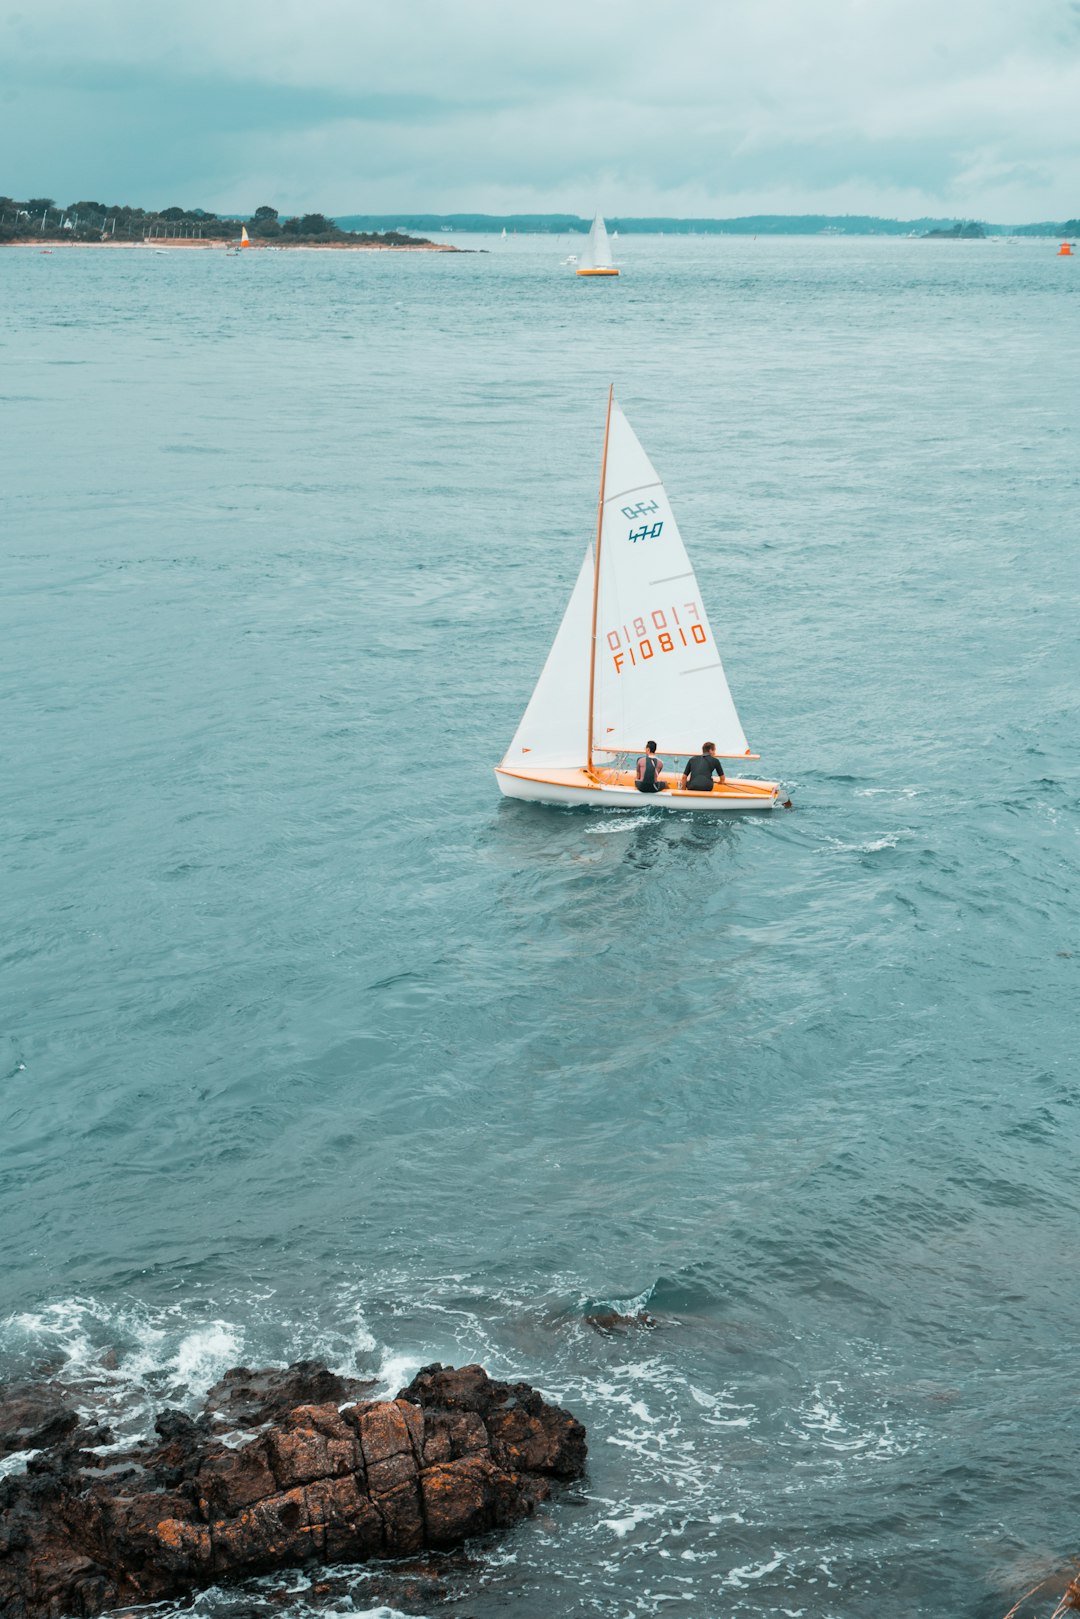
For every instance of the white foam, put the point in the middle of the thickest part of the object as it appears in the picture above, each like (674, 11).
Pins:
(750, 1572)
(821, 1420)
(632, 1306)
(119, 1357)
(122, 1362)
(889, 792)
(206, 1354)
(341, 1348)
(396, 1372)
(888, 840)
(378, 1613)
(15, 1464)
(621, 1527)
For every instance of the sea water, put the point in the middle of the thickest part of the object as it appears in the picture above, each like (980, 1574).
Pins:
(313, 1045)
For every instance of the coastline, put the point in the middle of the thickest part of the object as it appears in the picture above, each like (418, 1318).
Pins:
(222, 246)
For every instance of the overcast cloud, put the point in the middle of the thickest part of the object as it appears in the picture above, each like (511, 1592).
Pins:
(710, 107)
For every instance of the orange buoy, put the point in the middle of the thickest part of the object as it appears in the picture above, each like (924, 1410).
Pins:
(1065, 250)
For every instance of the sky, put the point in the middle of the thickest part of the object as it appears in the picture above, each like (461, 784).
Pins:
(903, 108)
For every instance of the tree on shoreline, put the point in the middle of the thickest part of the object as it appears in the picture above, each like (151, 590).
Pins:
(86, 221)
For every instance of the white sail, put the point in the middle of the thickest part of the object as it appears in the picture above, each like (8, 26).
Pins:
(658, 669)
(596, 254)
(554, 728)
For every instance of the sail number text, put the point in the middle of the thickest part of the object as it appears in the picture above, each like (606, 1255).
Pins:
(645, 532)
(665, 630)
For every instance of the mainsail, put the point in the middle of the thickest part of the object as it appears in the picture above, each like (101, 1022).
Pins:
(596, 254)
(657, 669)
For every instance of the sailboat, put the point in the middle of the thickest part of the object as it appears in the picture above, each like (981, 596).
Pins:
(596, 255)
(245, 241)
(634, 658)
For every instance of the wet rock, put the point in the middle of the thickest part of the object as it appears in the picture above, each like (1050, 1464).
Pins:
(409, 1586)
(455, 1455)
(247, 1399)
(609, 1321)
(33, 1417)
(467, 1414)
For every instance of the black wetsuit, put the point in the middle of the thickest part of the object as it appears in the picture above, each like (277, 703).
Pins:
(649, 782)
(701, 770)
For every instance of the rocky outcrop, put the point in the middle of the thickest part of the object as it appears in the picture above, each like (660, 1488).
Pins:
(454, 1455)
(246, 1399)
(32, 1417)
(611, 1321)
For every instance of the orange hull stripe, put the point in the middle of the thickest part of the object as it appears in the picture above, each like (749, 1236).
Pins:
(580, 782)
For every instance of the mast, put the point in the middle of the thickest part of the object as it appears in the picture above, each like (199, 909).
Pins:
(596, 575)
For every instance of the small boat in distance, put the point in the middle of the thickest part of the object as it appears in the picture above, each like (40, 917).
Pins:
(634, 658)
(245, 241)
(595, 256)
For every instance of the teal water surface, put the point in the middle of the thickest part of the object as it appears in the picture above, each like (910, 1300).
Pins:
(313, 1045)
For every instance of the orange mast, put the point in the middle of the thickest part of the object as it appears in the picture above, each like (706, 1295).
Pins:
(596, 574)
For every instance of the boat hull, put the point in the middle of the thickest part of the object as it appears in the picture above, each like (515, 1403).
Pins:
(596, 272)
(619, 792)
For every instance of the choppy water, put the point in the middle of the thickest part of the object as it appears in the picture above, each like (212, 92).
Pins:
(314, 1046)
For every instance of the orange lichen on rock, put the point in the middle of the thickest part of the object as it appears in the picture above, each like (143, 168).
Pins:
(454, 1455)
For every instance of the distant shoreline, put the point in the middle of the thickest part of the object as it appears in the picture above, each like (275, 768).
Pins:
(741, 225)
(164, 245)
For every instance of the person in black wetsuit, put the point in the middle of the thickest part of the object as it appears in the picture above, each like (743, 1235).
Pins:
(648, 771)
(699, 771)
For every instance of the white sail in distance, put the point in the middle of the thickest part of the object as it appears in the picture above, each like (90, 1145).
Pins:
(596, 254)
(658, 669)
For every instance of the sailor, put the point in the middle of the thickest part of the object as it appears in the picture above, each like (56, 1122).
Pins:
(700, 770)
(649, 767)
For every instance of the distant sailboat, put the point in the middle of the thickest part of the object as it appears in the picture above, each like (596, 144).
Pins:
(634, 658)
(504, 233)
(596, 255)
(245, 241)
